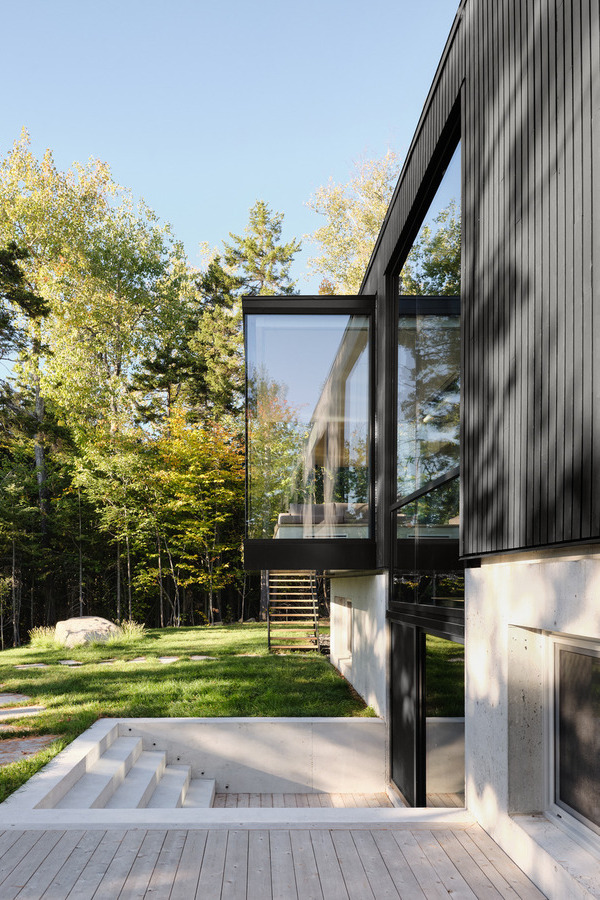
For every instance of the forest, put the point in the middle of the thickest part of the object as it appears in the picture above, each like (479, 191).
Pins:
(122, 390)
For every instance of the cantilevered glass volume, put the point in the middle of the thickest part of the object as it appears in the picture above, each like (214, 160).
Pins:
(308, 424)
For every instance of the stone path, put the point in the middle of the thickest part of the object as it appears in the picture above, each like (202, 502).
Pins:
(14, 749)
(9, 711)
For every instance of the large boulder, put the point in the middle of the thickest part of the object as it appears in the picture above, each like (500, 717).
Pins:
(83, 629)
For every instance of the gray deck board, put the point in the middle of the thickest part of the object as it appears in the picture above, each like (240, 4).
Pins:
(305, 866)
(353, 863)
(188, 870)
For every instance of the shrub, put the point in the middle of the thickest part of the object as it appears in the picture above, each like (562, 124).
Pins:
(131, 632)
(42, 638)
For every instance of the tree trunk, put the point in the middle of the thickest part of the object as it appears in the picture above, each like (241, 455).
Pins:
(80, 558)
(160, 582)
(264, 595)
(128, 573)
(16, 598)
(118, 581)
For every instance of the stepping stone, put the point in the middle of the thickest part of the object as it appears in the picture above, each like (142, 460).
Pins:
(69, 662)
(137, 659)
(167, 659)
(11, 699)
(33, 666)
(20, 711)
(14, 749)
(197, 658)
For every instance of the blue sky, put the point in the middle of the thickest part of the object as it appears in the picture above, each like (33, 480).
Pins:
(202, 108)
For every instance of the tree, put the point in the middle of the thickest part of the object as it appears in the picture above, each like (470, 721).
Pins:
(433, 264)
(259, 258)
(354, 214)
(15, 297)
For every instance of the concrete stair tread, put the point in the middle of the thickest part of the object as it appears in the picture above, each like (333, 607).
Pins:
(171, 790)
(200, 793)
(96, 786)
(140, 782)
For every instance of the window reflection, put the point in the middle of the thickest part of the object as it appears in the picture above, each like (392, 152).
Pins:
(426, 549)
(308, 426)
(428, 399)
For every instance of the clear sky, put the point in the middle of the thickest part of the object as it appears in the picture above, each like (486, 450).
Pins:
(204, 107)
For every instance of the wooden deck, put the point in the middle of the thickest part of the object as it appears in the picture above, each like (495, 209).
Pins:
(258, 864)
(299, 801)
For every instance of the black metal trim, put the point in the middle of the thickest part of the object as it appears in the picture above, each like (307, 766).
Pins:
(310, 553)
(295, 304)
(446, 621)
(448, 476)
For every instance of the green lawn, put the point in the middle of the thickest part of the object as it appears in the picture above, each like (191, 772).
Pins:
(233, 684)
(444, 677)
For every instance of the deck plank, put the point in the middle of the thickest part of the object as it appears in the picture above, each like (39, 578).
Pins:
(7, 839)
(94, 869)
(28, 863)
(305, 866)
(517, 879)
(210, 882)
(380, 880)
(42, 878)
(235, 871)
(163, 876)
(259, 866)
(68, 874)
(424, 872)
(499, 882)
(357, 883)
(400, 872)
(452, 878)
(330, 874)
(141, 872)
(188, 870)
(21, 847)
(283, 878)
(119, 868)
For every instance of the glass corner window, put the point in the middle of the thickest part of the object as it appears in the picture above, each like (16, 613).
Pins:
(308, 425)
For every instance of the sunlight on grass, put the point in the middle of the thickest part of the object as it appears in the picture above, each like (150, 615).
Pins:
(243, 680)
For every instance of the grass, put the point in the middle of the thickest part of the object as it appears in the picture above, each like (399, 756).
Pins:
(258, 684)
(444, 677)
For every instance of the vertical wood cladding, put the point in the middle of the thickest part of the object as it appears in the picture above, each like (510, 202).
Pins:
(527, 76)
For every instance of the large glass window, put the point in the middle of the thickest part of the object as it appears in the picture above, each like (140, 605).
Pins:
(578, 732)
(308, 425)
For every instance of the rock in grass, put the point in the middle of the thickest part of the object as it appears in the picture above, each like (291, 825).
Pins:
(83, 630)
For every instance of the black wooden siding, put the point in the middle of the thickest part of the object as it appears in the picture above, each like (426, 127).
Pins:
(524, 77)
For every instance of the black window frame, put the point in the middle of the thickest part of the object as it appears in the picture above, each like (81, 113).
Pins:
(319, 554)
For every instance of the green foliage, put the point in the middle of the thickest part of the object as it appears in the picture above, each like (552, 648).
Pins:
(42, 638)
(433, 264)
(131, 633)
(445, 677)
(354, 213)
(258, 257)
(243, 680)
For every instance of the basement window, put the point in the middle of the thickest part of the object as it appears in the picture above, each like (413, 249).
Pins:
(577, 731)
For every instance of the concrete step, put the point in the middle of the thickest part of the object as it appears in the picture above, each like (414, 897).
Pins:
(140, 782)
(200, 793)
(96, 786)
(171, 789)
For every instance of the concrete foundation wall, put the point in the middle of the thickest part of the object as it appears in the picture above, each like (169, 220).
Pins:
(361, 603)
(513, 604)
(272, 755)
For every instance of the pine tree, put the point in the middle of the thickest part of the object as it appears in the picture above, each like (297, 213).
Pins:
(259, 258)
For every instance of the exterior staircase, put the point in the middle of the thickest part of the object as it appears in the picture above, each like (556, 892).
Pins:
(124, 776)
(293, 622)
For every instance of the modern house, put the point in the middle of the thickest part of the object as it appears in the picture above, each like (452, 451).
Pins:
(437, 453)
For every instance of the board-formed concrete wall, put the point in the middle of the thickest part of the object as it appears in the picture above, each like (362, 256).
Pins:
(363, 599)
(515, 605)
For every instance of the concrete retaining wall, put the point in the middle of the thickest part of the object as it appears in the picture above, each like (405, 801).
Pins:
(272, 755)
